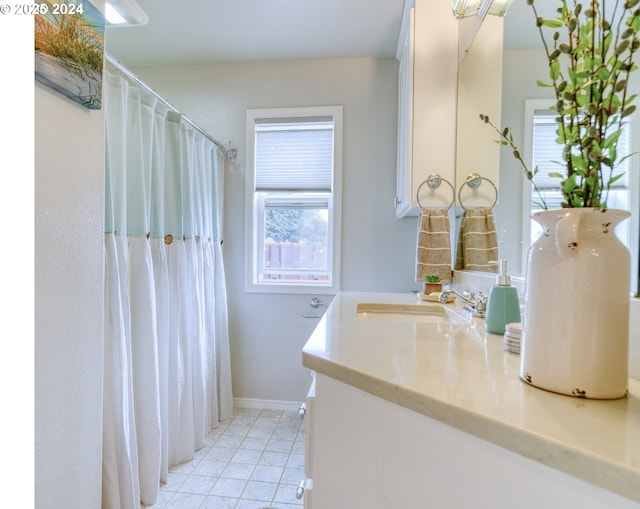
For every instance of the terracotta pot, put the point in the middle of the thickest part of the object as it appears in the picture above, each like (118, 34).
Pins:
(432, 287)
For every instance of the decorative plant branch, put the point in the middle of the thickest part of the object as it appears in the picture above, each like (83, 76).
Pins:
(589, 69)
(506, 138)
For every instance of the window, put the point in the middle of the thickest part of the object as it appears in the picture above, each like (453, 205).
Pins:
(293, 199)
(543, 152)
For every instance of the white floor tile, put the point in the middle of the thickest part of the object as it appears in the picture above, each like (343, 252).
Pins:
(209, 467)
(259, 490)
(163, 499)
(254, 460)
(298, 447)
(267, 473)
(244, 420)
(220, 454)
(237, 430)
(271, 413)
(185, 501)
(198, 484)
(217, 502)
(238, 471)
(295, 461)
(246, 456)
(279, 445)
(230, 441)
(261, 431)
(254, 443)
(228, 487)
(286, 493)
(267, 420)
(254, 504)
(273, 459)
(174, 481)
(292, 476)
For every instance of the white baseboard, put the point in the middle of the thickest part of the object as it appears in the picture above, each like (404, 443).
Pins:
(266, 404)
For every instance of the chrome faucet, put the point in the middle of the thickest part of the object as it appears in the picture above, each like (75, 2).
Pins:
(477, 303)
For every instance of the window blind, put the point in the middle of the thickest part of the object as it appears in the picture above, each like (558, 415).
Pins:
(547, 153)
(295, 156)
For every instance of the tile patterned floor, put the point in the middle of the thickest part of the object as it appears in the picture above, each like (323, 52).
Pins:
(254, 460)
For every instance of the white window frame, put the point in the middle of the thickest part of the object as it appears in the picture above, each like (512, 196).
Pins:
(532, 106)
(254, 211)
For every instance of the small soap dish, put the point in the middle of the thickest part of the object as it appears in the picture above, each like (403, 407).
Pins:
(435, 297)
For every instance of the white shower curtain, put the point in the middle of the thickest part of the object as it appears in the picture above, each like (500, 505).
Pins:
(167, 375)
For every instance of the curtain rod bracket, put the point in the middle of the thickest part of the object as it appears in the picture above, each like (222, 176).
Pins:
(232, 153)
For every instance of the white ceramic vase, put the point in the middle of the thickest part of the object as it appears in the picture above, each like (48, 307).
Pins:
(576, 319)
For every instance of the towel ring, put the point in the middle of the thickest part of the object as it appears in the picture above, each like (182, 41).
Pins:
(474, 180)
(433, 181)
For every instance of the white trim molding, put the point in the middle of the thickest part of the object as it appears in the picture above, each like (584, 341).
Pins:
(267, 404)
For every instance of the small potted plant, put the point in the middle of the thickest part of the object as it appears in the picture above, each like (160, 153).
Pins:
(432, 284)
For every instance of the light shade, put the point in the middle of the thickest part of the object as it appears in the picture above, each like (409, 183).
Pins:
(480, 8)
(500, 7)
(124, 13)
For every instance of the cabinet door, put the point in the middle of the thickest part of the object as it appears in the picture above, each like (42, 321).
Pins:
(428, 71)
(373, 454)
(307, 484)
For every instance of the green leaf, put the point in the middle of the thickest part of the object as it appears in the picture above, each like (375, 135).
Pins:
(569, 185)
(628, 110)
(551, 23)
(615, 178)
(554, 70)
(612, 138)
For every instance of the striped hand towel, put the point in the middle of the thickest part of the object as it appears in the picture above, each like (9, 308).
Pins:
(433, 254)
(477, 241)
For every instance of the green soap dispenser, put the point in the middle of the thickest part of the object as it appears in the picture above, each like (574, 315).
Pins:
(503, 306)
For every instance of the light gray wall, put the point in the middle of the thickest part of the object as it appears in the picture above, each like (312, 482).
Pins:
(378, 250)
(69, 196)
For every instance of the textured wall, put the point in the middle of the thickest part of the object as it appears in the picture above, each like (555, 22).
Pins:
(69, 196)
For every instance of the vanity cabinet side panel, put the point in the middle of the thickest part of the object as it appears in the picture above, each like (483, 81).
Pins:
(370, 453)
(405, 120)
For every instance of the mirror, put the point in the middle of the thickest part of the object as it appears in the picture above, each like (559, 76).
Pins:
(479, 91)
(522, 63)
(477, 155)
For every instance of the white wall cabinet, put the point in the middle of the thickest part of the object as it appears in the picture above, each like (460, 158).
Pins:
(428, 56)
(370, 453)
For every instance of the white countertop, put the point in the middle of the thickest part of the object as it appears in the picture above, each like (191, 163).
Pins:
(463, 377)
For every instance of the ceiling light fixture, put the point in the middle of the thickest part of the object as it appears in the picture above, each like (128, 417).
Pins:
(480, 8)
(120, 13)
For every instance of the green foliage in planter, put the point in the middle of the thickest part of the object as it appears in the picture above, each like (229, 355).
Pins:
(432, 279)
(589, 67)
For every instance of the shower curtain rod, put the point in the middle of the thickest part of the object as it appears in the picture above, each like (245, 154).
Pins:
(229, 153)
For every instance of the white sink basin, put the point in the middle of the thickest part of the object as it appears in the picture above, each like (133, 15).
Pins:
(422, 313)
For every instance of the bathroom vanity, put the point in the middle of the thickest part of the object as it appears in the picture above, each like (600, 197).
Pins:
(416, 406)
